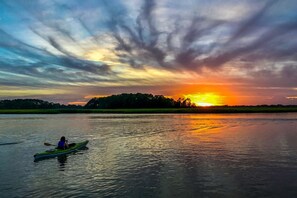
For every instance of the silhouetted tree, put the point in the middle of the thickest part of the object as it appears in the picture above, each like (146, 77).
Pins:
(138, 100)
(32, 104)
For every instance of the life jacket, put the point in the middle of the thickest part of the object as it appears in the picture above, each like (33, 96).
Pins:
(61, 145)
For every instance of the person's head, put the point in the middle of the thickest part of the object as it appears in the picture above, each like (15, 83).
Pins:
(63, 138)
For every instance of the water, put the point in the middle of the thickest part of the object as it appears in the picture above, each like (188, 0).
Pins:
(172, 155)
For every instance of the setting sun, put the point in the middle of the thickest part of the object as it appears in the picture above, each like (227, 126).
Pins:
(205, 99)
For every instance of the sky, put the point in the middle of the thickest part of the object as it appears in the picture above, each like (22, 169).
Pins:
(216, 52)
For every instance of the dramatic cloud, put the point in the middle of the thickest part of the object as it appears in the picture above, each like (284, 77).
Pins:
(114, 45)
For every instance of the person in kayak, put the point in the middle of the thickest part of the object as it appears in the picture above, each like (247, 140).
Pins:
(63, 143)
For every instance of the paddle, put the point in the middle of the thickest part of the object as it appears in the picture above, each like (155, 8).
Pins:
(48, 144)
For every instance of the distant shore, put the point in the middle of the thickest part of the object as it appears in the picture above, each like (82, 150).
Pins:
(214, 109)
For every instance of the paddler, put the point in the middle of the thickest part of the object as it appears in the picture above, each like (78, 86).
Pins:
(63, 143)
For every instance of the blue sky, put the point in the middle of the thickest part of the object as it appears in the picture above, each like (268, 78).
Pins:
(69, 51)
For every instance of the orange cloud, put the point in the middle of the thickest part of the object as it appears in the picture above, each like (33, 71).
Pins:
(94, 96)
(292, 97)
(77, 103)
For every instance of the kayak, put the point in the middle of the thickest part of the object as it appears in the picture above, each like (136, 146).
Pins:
(57, 152)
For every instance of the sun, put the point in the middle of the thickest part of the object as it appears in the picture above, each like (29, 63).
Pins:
(205, 99)
(204, 104)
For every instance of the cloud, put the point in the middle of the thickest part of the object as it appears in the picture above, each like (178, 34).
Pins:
(36, 62)
(48, 47)
(139, 40)
(292, 97)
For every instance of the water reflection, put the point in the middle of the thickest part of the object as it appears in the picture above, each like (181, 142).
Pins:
(62, 159)
(189, 156)
(9, 143)
(156, 156)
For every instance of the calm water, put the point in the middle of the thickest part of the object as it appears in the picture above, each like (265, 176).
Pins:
(233, 155)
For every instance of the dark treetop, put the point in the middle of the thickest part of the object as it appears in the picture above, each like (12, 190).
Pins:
(32, 104)
(137, 100)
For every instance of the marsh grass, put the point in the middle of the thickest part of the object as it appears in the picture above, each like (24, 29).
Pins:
(214, 109)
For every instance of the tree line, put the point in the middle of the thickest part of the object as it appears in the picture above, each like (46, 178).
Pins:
(125, 100)
(32, 104)
(138, 100)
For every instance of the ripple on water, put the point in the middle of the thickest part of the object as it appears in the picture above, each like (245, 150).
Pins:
(152, 156)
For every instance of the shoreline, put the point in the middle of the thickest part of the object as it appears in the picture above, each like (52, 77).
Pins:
(198, 110)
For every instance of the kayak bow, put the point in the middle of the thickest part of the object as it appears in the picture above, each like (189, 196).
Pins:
(57, 152)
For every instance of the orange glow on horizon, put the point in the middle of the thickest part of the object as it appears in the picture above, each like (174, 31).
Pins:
(77, 103)
(205, 99)
(204, 104)
(95, 96)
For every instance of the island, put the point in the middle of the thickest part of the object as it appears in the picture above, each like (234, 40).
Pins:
(132, 103)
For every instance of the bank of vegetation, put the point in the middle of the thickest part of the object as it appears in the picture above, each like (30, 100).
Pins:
(136, 101)
(33, 104)
(131, 103)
